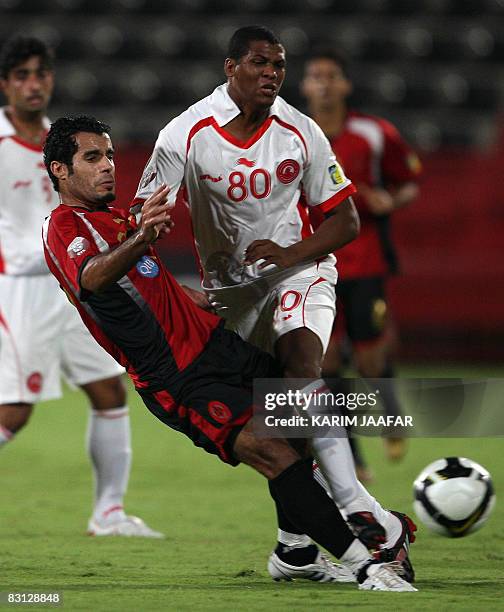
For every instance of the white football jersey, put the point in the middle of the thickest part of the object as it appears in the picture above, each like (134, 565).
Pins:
(26, 198)
(239, 192)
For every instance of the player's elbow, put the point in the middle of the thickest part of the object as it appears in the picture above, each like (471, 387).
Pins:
(354, 224)
(91, 281)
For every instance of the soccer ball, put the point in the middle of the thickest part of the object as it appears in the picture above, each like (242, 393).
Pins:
(453, 496)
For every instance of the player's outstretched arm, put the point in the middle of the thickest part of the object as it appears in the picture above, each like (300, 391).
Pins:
(102, 271)
(385, 201)
(340, 227)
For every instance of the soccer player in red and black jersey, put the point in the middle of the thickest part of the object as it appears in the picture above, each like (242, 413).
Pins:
(385, 170)
(191, 373)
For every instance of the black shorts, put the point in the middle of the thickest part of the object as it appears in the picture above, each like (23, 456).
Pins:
(364, 308)
(211, 400)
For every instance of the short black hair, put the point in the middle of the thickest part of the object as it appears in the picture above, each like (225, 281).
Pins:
(239, 43)
(19, 49)
(60, 144)
(328, 52)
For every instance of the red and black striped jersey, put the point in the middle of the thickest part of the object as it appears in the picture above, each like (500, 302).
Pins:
(144, 320)
(373, 154)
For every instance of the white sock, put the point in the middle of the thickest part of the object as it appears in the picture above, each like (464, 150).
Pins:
(355, 556)
(334, 456)
(336, 461)
(5, 435)
(293, 540)
(109, 446)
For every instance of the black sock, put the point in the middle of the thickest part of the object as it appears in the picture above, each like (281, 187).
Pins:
(307, 506)
(283, 522)
(297, 556)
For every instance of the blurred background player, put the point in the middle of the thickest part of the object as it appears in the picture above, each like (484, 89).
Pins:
(41, 335)
(244, 155)
(385, 170)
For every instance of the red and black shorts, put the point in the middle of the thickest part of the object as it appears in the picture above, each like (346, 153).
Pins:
(211, 400)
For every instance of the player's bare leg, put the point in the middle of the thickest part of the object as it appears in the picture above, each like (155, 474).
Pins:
(310, 509)
(109, 447)
(13, 417)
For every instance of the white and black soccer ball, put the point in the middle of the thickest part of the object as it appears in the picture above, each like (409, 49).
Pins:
(453, 496)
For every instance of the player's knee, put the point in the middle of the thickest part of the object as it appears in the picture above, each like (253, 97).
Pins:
(106, 394)
(303, 368)
(118, 391)
(371, 361)
(269, 456)
(15, 416)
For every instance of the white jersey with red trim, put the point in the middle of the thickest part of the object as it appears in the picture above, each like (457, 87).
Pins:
(239, 192)
(26, 198)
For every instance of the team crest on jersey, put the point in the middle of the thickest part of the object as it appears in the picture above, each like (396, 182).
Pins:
(219, 412)
(335, 174)
(147, 267)
(34, 382)
(77, 247)
(414, 163)
(287, 171)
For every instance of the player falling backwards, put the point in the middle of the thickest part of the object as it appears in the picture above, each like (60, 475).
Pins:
(243, 157)
(41, 335)
(191, 373)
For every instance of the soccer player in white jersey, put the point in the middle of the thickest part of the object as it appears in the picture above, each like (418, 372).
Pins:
(41, 334)
(244, 157)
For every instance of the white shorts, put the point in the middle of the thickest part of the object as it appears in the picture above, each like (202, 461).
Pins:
(262, 313)
(42, 337)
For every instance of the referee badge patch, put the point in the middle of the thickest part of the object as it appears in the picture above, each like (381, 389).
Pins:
(147, 267)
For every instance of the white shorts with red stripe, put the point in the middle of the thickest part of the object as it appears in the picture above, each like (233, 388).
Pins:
(41, 338)
(262, 314)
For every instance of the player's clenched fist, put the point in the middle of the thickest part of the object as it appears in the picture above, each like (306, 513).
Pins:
(156, 220)
(271, 252)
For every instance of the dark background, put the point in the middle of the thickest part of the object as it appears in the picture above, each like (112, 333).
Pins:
(433, 67)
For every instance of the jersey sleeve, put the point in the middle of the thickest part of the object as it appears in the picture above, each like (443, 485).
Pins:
(324, 182)
(68, 245)
(166, 164)
(400, 164)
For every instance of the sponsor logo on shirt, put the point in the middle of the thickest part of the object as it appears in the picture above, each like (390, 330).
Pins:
(335, 174)
(19, 184)
(207, 177)
(77, 247)
(147, 267)
(287, 171)
(243, 161)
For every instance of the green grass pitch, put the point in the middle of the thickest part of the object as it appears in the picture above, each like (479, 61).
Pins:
(219, 524)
